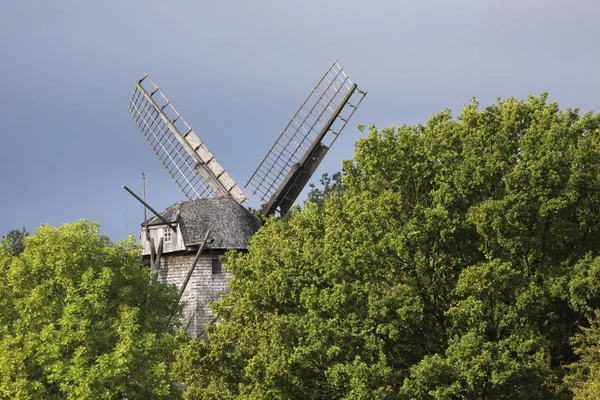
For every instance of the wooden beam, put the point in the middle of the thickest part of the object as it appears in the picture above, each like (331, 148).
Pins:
(291, 187)
(171, 225)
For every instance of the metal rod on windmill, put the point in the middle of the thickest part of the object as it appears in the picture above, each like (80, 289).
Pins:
(292, 160)
(145, 208)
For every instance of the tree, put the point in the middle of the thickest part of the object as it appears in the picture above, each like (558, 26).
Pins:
(14, 241)
(450, 266)
(584, 375)
(81, 318)
(330, 186)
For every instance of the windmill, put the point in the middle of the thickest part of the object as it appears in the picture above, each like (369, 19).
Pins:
(285, 170)
(215, 207)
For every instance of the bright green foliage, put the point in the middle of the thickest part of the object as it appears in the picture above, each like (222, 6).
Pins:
(585, 373)
(81, 318)
(456, 262)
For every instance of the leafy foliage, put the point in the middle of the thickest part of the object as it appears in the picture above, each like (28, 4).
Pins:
(330, 186)
(585, 373)
(14, 241)
(80, 318)
(457, 262)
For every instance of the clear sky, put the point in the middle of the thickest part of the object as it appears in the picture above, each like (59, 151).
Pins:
(238, 70)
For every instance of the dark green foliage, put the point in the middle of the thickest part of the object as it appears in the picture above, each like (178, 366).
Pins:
(331, 186)
(456, 261)
(14, 241)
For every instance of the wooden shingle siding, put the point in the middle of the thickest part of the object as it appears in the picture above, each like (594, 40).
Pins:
(203, 288)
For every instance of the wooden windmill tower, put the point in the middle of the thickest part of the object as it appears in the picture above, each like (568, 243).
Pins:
(214, 197)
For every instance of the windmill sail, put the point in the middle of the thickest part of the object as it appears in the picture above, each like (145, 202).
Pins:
(181, 151)
(291, 161)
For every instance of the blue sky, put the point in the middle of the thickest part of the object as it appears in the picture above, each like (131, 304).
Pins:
(237, 71)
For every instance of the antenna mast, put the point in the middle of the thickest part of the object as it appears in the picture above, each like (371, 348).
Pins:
(145, 217)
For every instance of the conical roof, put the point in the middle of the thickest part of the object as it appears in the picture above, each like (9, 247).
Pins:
(231, 225)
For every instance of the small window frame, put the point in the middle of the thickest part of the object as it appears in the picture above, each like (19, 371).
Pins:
(167, 235)
(217, 266)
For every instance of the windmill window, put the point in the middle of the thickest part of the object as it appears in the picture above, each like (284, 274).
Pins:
(167, 235)
(217, 266)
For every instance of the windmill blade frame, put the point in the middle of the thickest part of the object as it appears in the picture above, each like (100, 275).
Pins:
(289, 164)
(187, 159)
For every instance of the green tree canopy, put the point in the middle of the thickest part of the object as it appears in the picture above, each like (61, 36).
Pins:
(81, 318)
(584, 374)
(457, 262)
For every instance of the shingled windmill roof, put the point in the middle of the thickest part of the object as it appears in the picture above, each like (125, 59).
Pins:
(231, 225)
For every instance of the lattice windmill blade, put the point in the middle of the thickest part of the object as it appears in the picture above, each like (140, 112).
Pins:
(291, 161)
(181, 151)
